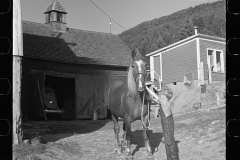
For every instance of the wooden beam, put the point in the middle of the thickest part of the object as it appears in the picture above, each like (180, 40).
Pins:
(17, 71)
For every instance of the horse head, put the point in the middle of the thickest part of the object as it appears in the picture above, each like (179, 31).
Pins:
(139, 70)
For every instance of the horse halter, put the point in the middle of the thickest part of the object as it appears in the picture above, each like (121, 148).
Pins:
(140, 73)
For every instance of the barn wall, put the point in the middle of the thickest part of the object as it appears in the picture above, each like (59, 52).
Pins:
(88, 81)
(72, 68)
(179, 61)
(91, 91)
(204, 44)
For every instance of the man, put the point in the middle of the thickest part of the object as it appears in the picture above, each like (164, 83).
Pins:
(168, 125)
(164, 98)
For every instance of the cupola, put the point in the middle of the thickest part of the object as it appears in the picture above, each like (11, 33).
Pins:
(56, 16)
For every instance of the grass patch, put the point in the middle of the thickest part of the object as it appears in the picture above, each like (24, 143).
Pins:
(69, 147)
(21, 151)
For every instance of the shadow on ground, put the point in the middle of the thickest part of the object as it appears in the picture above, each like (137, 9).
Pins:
(137, 139)
(56, 130)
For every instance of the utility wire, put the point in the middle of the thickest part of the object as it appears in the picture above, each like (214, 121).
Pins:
(108, 15)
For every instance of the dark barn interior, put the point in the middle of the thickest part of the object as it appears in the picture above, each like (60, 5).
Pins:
(65, 94)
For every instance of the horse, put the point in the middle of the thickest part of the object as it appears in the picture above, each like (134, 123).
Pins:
(126, 100)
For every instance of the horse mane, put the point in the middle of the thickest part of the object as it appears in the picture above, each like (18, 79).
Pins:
(130, 81)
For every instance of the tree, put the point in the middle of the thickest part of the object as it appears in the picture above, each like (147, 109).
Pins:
(158, 33)
(186, 30)
(198, 21)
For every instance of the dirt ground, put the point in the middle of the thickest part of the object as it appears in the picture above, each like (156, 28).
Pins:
(200, 135)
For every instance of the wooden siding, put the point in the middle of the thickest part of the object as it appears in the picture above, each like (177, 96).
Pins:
(178, 61)
(204, 44)
(92, 93)
(84, 96)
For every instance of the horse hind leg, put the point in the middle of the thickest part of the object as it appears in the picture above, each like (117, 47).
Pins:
(146, 139)
(124, 140)
(118, 148)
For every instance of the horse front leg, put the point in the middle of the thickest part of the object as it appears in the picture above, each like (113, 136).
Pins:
(127, 122)
(146, 138)
(118, 148)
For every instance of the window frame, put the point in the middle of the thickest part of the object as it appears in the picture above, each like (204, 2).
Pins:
(214, 55)
(59, 15)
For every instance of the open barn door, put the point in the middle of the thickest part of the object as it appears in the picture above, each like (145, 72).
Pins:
(35, 107)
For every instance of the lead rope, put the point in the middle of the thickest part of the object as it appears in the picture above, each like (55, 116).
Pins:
(147, 113)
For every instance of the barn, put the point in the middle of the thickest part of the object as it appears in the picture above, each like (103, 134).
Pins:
(193, 62)
(76, 65)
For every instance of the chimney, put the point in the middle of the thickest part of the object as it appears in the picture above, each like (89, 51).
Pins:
(56, 16)
(195, 30)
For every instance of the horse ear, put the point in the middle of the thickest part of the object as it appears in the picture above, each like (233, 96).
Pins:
(133, 54)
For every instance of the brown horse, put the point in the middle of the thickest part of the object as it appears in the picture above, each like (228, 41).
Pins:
(126, 100)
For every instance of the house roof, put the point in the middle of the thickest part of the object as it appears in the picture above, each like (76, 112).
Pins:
(55, 6)
(186, 40)
(74, 46)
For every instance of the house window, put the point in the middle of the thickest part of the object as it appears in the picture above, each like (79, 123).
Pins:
(216, 60)
(50, 17)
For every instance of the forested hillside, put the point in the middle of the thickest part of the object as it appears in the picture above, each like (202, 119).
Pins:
(155, 34)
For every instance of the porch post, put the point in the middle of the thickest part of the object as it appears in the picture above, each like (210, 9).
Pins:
(151, 67)
(198, 61)
(209, 71)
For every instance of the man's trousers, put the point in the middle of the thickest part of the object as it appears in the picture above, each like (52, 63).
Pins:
(168, 133)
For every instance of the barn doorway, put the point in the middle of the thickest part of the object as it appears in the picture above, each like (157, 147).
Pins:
(65, 94)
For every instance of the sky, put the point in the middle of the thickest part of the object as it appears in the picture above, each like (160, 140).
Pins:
(84, 15)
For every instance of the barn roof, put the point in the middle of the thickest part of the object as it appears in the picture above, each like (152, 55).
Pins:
(74, 46)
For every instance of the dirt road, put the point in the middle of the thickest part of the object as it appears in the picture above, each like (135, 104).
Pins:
(200, 135)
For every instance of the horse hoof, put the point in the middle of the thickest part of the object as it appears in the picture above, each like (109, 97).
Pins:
(117, 151)
(150, 155)
(129, 157)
